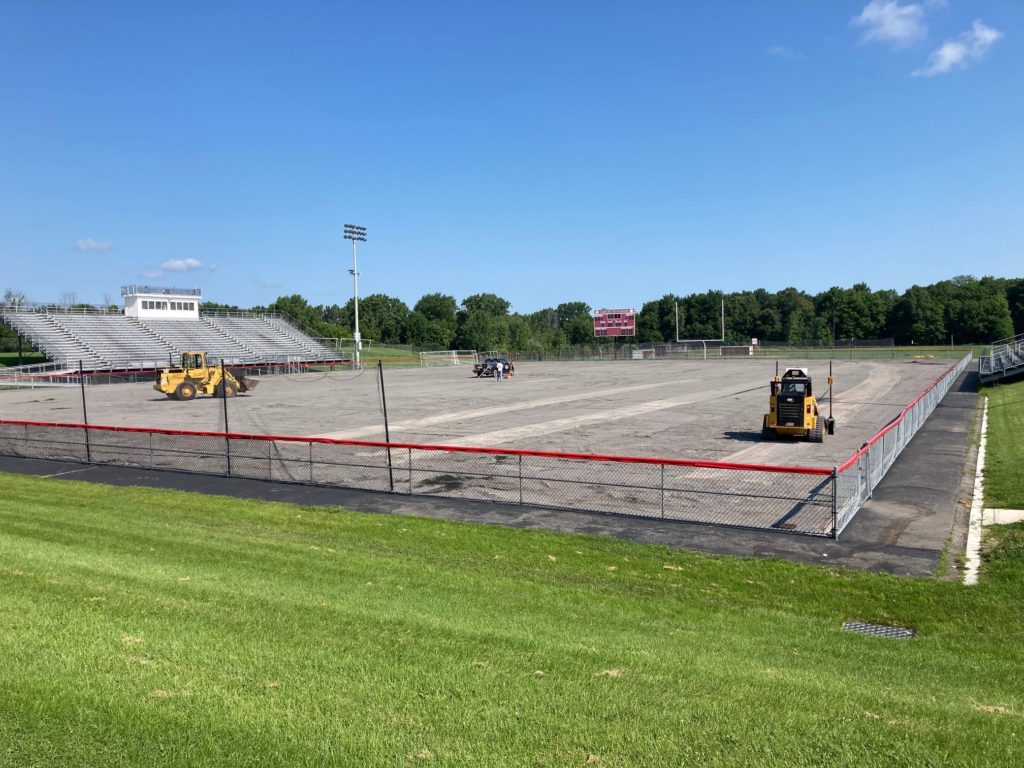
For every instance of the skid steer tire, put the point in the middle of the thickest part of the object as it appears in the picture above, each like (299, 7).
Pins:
(817, 435)
(185, 391)
(767, 433)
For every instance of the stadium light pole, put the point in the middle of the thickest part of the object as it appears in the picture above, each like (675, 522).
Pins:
(355, 233)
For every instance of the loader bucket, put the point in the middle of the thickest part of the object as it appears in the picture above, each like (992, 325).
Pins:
(245, 384)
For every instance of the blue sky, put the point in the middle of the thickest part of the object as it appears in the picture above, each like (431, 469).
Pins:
(606, 152)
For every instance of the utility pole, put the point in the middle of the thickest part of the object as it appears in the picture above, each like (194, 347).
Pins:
(354, 233)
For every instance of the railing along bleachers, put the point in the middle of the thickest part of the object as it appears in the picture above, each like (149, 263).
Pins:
(312, 347)
(1005, 359)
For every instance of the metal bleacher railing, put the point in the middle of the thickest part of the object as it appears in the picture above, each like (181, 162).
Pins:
(816, 501)
(1005, 359)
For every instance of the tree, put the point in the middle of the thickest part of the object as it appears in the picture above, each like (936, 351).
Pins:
(14, 298)
(381, 318)
(439, 311)
(545, 329)
(917, 318)
(425, 333)
(1015, 299)
(483, 322)
(482, 331)
(296, 307)
(575, 322)
(520, 335)
(656, 321)
(486, 302)
(796, 309)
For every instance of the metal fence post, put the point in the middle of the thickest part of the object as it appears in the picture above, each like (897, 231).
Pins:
(224, 397)
(85, 415)
(662, 491)
(835, 503)
(410, 470)
(310, 463)
(520, 479)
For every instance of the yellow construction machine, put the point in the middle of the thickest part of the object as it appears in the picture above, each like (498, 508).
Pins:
(793, 409)
(194, 377)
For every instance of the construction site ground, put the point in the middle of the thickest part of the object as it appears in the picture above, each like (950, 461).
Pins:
(708, 410)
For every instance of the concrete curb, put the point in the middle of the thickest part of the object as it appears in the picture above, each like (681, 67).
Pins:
(973, 552)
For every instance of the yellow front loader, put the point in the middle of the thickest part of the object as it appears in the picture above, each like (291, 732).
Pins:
(193, 377)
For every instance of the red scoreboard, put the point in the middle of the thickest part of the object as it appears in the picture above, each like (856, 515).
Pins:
(615, 322)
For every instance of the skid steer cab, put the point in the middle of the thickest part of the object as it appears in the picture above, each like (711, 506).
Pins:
(793, 409)
(193, 377)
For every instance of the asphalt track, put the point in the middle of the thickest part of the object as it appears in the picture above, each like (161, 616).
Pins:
(918, 511)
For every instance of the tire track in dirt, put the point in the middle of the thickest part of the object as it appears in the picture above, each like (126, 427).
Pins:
(494, 410)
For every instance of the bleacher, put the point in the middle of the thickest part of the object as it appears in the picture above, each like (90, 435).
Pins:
(115, 340)
(52, 339)
(259, 335)
(106, 340)
(185, 335)
(1005, 360)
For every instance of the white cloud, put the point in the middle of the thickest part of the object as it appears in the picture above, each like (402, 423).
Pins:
(967, 49)
(886, 21)
(782, 52)
(181, 265)
(153, 274)
(88, 245)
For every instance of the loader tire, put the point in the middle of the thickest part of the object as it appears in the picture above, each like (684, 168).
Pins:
(226, 389)
(185, 391)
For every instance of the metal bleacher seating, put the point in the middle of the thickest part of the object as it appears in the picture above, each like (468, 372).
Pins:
(186, 335)
(1005, 360)
(116, 340)
(271, 333)
(53, 339)
(102, 340)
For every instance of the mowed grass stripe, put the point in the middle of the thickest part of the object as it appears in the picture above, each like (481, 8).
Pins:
(157, 627)
(1004, 483)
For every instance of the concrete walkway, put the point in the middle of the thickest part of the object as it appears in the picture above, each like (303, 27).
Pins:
(916, 510)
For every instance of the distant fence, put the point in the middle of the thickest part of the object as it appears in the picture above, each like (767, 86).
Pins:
(808, 500)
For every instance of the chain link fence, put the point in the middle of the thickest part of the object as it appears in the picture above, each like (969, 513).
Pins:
(807, 500)
(797, 499)
(858, 476)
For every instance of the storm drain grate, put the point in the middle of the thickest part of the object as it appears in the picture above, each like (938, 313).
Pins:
(881, 630)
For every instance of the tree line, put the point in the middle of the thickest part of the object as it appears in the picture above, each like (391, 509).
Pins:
(962, 310)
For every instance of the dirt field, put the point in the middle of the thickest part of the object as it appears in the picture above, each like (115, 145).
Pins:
(678, 409)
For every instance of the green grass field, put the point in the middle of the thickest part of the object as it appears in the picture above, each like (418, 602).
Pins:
(1004, 460)
(147, 627)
